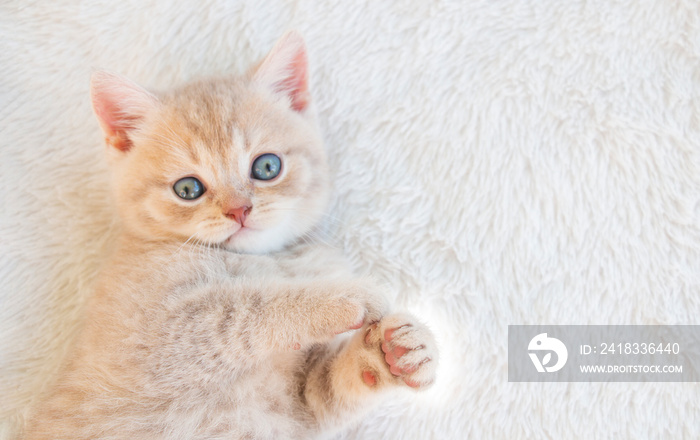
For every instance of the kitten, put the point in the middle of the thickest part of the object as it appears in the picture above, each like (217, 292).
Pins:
(210, 320)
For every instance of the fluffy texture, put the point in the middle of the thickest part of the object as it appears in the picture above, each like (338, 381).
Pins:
(493, 162)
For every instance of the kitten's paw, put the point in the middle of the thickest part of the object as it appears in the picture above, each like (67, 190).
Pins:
(364, 304)
(324, 310)
(408, 347)
(350, 316)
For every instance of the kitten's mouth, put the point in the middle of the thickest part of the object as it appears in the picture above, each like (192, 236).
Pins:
(240, 231)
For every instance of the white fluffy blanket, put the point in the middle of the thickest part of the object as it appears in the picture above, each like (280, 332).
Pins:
(496, 162)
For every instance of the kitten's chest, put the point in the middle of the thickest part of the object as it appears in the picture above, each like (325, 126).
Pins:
(304, 262)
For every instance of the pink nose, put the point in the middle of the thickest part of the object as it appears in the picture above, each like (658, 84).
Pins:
(238, 214)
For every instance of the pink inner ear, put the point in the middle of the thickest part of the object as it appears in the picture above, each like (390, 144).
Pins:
(296, 85)
(107, 114)
(118, 105)
(113, 125)
(285, 71)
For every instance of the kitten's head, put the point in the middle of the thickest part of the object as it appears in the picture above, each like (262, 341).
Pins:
(233, 161)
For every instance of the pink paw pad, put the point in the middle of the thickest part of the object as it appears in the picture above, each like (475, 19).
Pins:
(369, 378)
(392, 354)
(392, 358)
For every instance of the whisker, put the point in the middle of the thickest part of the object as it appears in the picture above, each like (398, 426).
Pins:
(179, 249)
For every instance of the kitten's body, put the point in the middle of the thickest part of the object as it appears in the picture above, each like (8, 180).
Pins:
(185, 339)
(162, 372)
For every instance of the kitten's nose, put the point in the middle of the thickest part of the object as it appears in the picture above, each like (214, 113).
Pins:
(238, 214)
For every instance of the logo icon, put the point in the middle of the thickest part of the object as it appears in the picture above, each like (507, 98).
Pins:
(542, 343)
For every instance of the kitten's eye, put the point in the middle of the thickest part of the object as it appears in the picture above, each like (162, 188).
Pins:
(266, 167)
(188, 188)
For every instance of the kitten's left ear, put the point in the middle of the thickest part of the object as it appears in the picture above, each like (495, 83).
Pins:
(285, 71)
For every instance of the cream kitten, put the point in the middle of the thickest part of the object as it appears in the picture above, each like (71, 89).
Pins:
(210, 321)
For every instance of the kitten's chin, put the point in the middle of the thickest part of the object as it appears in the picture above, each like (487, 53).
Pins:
(256, 241)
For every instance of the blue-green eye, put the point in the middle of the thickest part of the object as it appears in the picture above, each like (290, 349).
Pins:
(188, 188)
(266, 167)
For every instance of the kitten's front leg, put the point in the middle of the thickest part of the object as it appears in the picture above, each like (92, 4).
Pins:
(245, 322)
(344, 380)
(297, 314)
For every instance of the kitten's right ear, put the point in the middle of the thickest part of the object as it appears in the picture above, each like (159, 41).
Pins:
(119, 105)
(285, 71)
